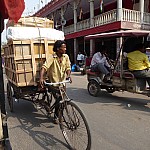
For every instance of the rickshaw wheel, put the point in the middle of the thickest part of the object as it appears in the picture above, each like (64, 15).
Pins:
(93, 88)
(10, 96)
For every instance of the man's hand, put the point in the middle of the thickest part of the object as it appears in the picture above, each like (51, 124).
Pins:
(42, 82)
(69, 78)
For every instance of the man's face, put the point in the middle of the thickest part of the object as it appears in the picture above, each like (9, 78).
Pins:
(62, 49)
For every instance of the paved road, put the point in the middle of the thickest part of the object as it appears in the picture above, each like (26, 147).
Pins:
(114, 125)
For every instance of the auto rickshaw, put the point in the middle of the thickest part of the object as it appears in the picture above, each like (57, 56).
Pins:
(121, 78)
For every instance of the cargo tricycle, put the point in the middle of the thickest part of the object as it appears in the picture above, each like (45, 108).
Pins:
(23, 62)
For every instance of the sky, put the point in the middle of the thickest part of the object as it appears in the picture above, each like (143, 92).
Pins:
(31, 6)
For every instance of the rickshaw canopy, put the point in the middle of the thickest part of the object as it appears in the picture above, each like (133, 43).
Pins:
(124, 33)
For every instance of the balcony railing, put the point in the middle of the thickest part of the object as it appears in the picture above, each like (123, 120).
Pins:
(146, 18)
(109, 17)
(105, 18)
(82, 25)
(131, 15)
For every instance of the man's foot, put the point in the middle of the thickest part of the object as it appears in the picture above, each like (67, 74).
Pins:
(56, 121)
(48, 114)
(106, 79)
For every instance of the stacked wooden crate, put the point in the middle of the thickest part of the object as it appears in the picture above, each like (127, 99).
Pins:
(32, 22)
(24, 58)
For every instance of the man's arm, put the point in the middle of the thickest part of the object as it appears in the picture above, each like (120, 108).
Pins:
(43, 70)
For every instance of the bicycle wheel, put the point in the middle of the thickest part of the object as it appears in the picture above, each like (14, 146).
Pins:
(74, 127)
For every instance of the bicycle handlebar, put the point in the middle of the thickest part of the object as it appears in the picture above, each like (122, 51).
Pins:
(57, 83)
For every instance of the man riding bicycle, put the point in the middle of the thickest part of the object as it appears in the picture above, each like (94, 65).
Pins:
(58, 68)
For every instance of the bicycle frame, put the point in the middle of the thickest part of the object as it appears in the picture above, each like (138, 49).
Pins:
(58, 90)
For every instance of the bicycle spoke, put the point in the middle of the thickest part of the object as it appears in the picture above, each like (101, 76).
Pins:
(74, 128)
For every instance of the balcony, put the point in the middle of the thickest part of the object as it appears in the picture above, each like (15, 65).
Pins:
(110, 17)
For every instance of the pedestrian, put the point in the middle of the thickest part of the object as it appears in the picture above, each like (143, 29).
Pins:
(58, 68)
(80, 59)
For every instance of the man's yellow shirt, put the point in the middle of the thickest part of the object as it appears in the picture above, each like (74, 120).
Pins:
(56, 71)
(137, 60)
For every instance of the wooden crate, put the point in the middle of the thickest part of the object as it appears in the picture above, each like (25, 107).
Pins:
(32, 22)
(24, 59)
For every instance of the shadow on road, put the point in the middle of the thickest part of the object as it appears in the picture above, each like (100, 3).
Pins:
(33, 123)
(138, 102)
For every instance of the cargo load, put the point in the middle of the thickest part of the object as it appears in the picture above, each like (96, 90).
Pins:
(32, 22)
(26, 51)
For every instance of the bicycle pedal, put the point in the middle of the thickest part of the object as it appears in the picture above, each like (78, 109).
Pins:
(38, 107)
(48, 114)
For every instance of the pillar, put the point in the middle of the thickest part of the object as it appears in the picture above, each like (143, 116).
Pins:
(91, 13)
(92, 42)
(119, 10)
(75, 15)
(75, 28)
(142, 9)
(62, 18)
(92, 47)
(75, 50)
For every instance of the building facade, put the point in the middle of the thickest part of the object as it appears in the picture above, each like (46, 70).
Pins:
(78, 18)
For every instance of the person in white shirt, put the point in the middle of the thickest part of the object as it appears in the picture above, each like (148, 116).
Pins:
(99, 63)
(148, 52)
(80, 58)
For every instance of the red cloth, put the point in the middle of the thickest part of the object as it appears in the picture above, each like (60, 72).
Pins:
(12, 9)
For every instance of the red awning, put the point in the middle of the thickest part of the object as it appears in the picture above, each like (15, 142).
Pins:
(12, 9)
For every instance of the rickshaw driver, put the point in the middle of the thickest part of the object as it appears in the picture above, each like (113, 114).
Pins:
(139, 64)
(58, 68)
(99, 63)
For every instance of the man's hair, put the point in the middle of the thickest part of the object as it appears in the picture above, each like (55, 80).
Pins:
(103, 49)
(58, 44)
(139, 46)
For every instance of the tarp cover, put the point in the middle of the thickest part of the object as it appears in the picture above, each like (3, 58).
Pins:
(27, 33)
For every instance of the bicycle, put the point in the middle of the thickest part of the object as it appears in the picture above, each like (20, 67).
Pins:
(71, 119)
